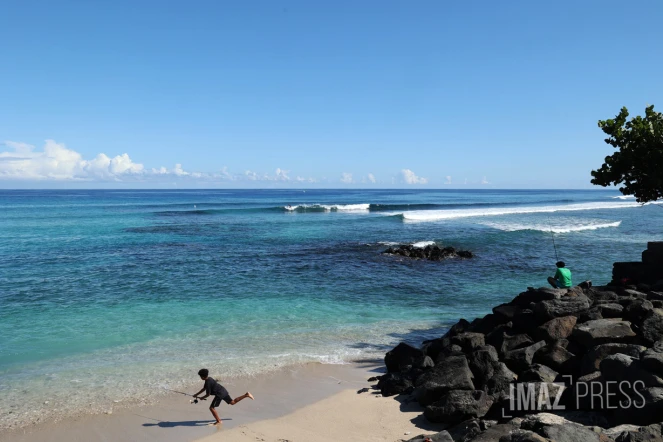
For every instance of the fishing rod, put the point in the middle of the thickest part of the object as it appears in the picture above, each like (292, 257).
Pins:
(194, 401)
(552, 235)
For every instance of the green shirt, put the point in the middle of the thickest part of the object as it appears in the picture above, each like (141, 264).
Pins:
(563, 275)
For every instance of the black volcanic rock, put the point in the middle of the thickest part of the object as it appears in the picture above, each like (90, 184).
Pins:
(431, 252)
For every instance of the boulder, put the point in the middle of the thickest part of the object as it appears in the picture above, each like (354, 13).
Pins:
(453, 374)
(566, 306)
(601, 295)
(637, 311)
(633, 433)
(524, 299)
(486, 324)
(496, 432)
(501, 379)
(506, 312)
(482, 362)
(538, 373)
(592, 359)
(601, 331)
(442, 436)
(459, 327)
(652, 359)
(646, 408)
(619, 367)
(402, 355)
(514, 342)
(456, 406)
(652, 326)
(469, 429)
(523, 436)
(558, 358)
(468, 341)
(558, 328)
(611, 310)
(394, 383)
(496, 337)
(558, 429)
(433, 347)
(655, 296)
(520, 359)
(524, 321)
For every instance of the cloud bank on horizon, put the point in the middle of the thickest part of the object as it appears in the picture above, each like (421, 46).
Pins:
(57, 163)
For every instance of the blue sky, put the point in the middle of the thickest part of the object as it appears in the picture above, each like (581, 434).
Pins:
(319, 94)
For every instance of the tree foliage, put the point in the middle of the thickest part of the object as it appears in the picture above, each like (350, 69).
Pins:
(637, 165)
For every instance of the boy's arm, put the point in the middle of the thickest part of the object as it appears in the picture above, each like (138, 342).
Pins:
(203, 389)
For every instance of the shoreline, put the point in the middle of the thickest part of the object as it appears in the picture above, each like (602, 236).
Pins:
(279, 395)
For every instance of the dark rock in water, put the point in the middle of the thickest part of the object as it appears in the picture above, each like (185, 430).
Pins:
(453, 374)
(394, 383)
(566, 306)
(652, 326)
(591, 361)
(402, 355)
(430, 252)
(601, 331)
(458, 405)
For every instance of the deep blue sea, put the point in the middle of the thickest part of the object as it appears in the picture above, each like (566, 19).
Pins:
(115, 294)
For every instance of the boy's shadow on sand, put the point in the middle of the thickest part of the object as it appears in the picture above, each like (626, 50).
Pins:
(171, 424)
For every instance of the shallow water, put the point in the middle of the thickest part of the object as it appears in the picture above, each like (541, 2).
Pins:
(115, 294)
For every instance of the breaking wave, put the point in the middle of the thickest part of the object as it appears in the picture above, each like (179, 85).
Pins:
(513, 227)
(440, 215)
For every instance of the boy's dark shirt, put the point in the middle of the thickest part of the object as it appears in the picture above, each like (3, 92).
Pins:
(214, 388)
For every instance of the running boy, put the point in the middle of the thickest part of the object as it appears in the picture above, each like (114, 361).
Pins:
(212, 387)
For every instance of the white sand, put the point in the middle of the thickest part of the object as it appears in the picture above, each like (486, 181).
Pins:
(314, 402)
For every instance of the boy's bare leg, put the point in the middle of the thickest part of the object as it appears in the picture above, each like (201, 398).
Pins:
(244, 396)
(216, 416)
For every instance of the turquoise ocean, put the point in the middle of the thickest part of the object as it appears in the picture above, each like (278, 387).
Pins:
(107, 296)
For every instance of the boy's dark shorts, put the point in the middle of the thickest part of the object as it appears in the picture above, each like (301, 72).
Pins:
(217, 400)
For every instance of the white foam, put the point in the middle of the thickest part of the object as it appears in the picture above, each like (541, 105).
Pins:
(440, 215)
(623, 197)
(330, 207)
(422, 244)
(513, 227)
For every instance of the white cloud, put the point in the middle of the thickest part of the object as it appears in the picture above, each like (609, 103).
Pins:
(56, 162)
(346, 178)
(484, 181)
(448, 181)
(226, 175)
(410, 177)
(371, 178)
(282, 175)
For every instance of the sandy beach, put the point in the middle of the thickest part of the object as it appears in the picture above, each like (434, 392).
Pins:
(304, 403)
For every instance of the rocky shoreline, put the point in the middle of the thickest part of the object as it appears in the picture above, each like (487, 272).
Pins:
(578, 364)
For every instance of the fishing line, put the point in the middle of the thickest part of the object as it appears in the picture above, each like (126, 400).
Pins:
(552, 235)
